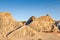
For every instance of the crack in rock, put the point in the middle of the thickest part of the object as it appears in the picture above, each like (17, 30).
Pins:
(13, 31)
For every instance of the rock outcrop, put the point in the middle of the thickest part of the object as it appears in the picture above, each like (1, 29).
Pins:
(30, 20)
(43, 24)
(57, 23)
(25, 31)
(7, 23)
(33, 29)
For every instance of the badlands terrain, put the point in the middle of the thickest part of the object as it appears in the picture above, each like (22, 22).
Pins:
(41, 28)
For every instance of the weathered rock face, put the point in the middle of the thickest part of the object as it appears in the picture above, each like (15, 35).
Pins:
(43, 23)
(33, 29)
(7, 23)
(30, 20)
(19, 34)
(57, 23)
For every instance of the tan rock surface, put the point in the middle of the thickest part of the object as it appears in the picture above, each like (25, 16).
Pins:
(33, 29)
(43, 23)
(7, 23)
(21, 33)
(27, 33)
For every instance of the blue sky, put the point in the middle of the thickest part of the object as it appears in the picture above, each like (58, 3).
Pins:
(23, 9)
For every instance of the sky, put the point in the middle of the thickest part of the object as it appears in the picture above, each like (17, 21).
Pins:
(22, 10)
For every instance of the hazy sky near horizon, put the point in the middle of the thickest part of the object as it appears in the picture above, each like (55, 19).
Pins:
(24, 9)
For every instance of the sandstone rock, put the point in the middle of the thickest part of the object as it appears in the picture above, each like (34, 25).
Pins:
(30, 20)
(23, 22)
(33, 29)
(43, 23)
(57, 23)
(21, 33)
(7, 23)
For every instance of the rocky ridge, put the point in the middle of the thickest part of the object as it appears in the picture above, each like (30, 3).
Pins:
(10, 29)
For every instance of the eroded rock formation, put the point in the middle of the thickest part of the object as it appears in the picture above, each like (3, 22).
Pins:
(30, 20)
(10, 29)
(57, 23)
(43, 23)
(7, 23)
